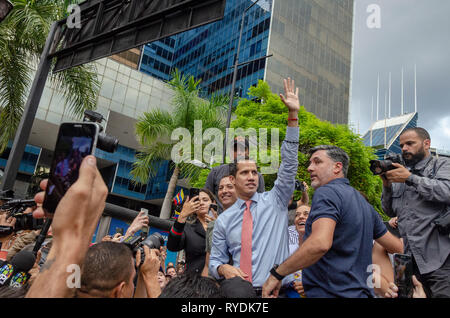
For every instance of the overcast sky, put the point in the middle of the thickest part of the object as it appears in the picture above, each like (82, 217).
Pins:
(412, 32)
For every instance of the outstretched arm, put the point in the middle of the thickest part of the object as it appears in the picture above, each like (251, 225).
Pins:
(285, 183)
(74, 223)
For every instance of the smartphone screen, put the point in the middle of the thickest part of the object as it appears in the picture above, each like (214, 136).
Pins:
(403, 271)
(75, 141)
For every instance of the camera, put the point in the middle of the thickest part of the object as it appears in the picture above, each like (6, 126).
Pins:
(136, 243)
(381, 166)
(15, 209)
(104, 142)
(299, 186)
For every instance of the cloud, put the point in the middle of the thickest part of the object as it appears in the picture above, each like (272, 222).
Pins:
(440, 133)
(413, 32)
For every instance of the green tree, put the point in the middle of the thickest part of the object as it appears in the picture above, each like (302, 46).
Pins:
(266, 110)
(22, 38)
(154, 129)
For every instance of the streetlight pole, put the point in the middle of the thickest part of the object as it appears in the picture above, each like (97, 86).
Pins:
(233, 84)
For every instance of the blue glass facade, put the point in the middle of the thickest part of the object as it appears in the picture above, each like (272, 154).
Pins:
(29, 159)
(208, 52)
(157, 58)
(122, 184)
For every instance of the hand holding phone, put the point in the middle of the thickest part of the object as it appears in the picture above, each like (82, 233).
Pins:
(75, 142)
(403, 271)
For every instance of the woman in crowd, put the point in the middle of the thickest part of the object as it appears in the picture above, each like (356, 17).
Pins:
(301, 215)
(191, 237)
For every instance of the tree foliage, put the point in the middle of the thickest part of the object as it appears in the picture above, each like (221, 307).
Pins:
(266, 110)
(22, 38)
(155, 127)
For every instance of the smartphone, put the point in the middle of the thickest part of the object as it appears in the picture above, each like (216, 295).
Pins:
(213, 206)
(145, 228)
(403, 271)
(193, 192)
(75, 141)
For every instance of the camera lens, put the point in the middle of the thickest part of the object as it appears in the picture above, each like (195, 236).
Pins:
(154, 241)
(107, 143)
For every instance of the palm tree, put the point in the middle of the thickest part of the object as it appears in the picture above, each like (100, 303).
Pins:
(22, 38)
(155, 128)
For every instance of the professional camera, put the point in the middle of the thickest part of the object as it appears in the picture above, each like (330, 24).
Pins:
(136, 243)
(299, 186)
(15, 209)
(104, 142)
(381, 166)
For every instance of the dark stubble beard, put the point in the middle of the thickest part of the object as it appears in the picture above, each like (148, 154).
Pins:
(419, 156)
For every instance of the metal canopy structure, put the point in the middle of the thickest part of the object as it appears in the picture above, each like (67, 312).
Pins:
(112, 26)
(107, 27)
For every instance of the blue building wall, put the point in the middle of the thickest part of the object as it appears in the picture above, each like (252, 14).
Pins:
(208, 52)
(156, 188)
(157, 58)
(29, 159)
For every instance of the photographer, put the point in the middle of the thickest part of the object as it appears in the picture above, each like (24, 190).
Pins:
(148, 275)
(107, 272)
(418, 195)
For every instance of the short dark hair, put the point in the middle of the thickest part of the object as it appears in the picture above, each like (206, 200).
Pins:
(336, 154)
(191, 285)
(234, 166)
(421, 132)
(226, 176)
(236, 142)
(106, 265)
(169, 267)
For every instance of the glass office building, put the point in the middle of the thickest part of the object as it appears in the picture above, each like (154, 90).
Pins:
(157, 58)
(311, 41)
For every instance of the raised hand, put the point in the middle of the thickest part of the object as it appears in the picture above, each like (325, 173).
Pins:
(290, 97)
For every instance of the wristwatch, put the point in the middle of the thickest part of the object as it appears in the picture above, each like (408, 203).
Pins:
(274, 273)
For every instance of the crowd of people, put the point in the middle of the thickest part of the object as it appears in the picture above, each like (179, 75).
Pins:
(251, 245)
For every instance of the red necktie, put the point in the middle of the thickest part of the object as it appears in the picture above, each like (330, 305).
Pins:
(246, 242)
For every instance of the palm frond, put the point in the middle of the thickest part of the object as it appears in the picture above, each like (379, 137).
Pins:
(149, 160)
(14, 80)
(154, 124)
(189, 171)
(80, 88)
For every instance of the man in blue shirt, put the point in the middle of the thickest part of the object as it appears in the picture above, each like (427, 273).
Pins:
(337, 248)
(268, 237)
